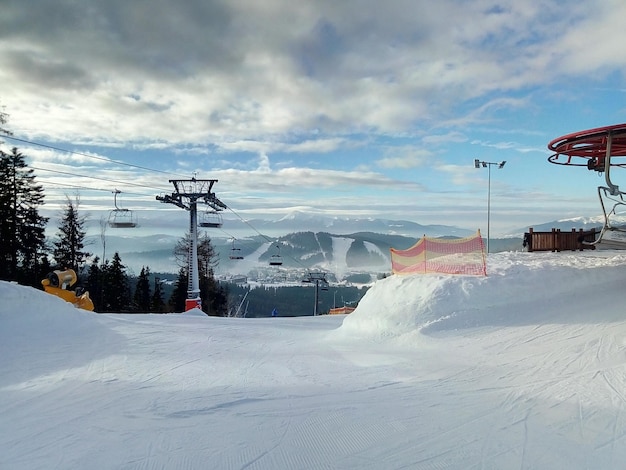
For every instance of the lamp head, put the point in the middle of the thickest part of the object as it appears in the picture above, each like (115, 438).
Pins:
(501, 165)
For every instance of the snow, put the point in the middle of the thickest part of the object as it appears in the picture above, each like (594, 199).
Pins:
(341, 245)
(524, 368)
(374, 249)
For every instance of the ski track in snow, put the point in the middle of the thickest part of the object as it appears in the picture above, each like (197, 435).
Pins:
(428, 373)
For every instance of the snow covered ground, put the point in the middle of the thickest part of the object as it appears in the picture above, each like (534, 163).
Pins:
(523, 369)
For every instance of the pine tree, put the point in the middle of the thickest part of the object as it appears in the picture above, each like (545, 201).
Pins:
(157, 305)
(143, 294)
(4, 117)
(94, 284)
(214, 298)
(207, 257)
(22, 229)
(69, 247)
(179, 295)
(115, 291)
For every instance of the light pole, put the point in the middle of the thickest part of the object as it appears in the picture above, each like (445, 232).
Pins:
(480, 164)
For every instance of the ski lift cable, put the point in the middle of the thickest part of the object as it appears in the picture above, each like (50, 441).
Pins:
(95, 157)
(119, 162)
(97, 178)
(75, 186)
(268, 239)
(88, 188)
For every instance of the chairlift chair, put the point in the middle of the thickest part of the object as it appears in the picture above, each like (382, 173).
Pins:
(211, 219)
(119, 217)
(276, 259)
(235, 253)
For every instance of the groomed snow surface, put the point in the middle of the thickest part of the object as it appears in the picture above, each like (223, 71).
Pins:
(523, 369)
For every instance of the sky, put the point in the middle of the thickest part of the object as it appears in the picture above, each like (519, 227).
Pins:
(346, 109)
(523, 368)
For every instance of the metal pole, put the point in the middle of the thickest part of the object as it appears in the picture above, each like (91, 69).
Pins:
(488, 205)
(481, 164)
(317, 284)
(193, 285)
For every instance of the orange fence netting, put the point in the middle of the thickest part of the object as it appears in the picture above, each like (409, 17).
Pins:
(440, 255)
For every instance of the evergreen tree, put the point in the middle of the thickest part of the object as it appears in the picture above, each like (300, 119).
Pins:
(22, 229)
(143, 294)
(115, 291)
(179, 295)
(157, 305)
(44, 266)
(94, 284)
(214, 298)
(69, 247)
(4, 117)
(208, 259)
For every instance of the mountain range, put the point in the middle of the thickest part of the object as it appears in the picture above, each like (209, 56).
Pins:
(342, 246)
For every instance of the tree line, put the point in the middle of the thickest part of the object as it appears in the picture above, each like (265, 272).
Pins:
(27, 255)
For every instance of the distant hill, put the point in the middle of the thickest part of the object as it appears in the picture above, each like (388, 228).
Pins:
(298, 221)
(576, 223)
(344, 255)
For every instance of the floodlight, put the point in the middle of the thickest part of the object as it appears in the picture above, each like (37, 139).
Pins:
(488, 165)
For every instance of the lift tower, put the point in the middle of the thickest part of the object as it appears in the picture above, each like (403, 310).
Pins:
(187, 195)
(319, 279)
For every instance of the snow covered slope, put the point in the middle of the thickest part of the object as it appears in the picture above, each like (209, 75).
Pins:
(525, 368)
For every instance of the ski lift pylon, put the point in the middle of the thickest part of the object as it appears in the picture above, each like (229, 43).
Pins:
(119, 217)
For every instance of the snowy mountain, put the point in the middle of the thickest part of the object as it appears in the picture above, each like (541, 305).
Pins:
(576, 223)
(360, 252)
(299, 221)
(304, 241)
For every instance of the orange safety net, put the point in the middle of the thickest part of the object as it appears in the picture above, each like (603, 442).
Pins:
(439, 255)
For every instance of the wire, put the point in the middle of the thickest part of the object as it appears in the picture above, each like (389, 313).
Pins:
(268, 239)
(118, 162)
(95, 157)
(95, 178)
(74, 186)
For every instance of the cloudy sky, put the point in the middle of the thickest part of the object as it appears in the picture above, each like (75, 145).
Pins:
(351, 108)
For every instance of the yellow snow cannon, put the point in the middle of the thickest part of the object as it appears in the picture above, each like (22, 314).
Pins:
(58, 283)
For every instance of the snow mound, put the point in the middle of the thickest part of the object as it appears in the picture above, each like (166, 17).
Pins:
(194, 312)
(32, 321)
(516, 291)
(40, 313)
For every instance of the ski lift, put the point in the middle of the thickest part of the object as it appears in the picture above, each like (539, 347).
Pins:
(235, 253)
(598, 150)
(119, 217)
(211, 219)
(276, 259)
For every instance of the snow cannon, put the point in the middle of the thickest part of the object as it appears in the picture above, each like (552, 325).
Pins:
(59, 282)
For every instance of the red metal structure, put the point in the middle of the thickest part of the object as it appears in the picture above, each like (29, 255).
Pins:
(600, 150)
(596, 146)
